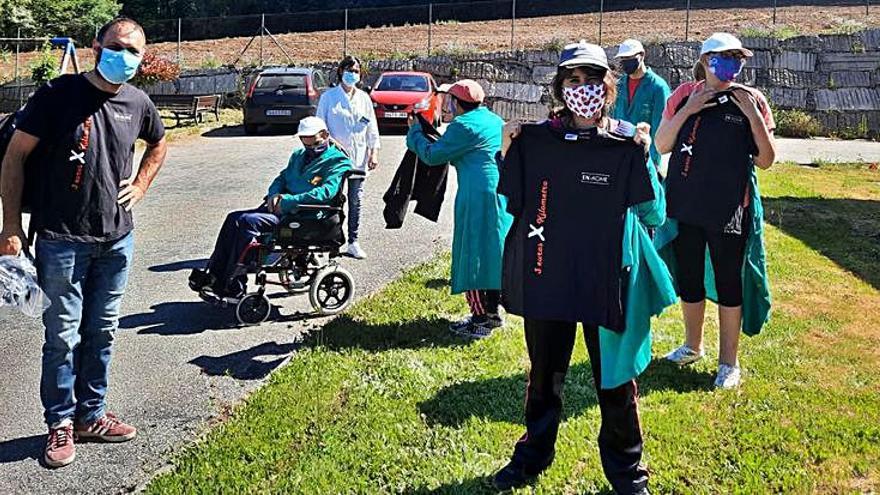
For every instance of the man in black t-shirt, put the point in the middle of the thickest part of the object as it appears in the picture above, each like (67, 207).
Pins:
(83, 129)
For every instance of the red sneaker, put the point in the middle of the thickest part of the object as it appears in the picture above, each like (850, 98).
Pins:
(107, 428)
(59, 446)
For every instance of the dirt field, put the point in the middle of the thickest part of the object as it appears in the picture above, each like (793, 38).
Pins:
(648, 25)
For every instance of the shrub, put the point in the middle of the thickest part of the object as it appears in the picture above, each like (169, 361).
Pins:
(45, 67)
(155, 69)
(780, 32)
(797, 124)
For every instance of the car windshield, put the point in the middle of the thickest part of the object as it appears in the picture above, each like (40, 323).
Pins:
(278, 81)
(403, 83)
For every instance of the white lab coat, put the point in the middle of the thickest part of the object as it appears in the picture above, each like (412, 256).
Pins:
(351, 122)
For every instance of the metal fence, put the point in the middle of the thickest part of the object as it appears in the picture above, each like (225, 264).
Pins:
(469, 26)
(429, 24)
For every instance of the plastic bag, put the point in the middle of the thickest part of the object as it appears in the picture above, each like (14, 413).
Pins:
(19, 288)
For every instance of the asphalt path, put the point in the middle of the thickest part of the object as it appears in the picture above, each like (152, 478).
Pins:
(178, 363)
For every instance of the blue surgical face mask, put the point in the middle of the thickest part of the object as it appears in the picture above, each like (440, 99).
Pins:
(725, 68)
(350, 78)
(118, 66)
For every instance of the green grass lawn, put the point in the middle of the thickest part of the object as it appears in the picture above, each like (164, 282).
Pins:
(384, 400)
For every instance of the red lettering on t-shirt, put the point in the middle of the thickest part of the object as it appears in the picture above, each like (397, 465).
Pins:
(692, 138)
(540, 218)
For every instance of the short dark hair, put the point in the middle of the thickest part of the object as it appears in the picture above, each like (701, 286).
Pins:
(467, 106)
(115, 22)
(348, 62)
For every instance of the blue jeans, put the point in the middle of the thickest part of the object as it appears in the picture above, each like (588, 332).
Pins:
(355, 199)
(85, 283)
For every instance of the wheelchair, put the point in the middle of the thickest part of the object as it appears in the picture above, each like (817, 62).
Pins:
(301, 255)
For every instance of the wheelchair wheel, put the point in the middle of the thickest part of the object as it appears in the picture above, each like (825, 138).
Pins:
(332, 291)
(253, 309)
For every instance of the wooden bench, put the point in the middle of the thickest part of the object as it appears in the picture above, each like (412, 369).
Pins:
(188, 106)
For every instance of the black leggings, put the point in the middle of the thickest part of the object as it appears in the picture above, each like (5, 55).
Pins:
(726, 251)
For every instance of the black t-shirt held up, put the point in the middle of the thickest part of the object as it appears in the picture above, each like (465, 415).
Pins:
(710, 166)
(569, 194)
(86, 148)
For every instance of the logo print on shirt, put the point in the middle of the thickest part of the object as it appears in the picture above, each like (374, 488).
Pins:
(536, 232)
(537, 229)
(688, 147)
(595, 178)
(78, 154)
(685, 148)
(122, 117)
(74, 156)
(734, 119)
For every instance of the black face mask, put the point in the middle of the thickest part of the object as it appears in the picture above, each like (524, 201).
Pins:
(630, 65)
(314, 151)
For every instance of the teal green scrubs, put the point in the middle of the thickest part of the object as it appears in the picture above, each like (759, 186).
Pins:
(625, 355)
(470, 144)
(756, 284)
(316, 182)
(646, 106)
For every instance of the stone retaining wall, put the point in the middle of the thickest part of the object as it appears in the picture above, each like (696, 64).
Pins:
(835, 78)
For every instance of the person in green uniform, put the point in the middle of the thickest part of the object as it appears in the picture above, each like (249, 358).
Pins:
(641, 93)
(470, 143)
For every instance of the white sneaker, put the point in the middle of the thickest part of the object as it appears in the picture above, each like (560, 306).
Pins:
(355, 251)
(685, 355)
(728, 376)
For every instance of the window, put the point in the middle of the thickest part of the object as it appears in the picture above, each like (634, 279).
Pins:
(282, 81)
(403, 82)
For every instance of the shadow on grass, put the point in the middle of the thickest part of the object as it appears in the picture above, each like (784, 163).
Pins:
(473, 485)
(248, 364)
(344, 332)
(846, 231)
(437, 283)
(501, 399)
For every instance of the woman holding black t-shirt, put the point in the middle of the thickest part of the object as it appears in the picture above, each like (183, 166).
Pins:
(717, 130)
(582, 192)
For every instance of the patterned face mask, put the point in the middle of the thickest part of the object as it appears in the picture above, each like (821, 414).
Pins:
(586, 100)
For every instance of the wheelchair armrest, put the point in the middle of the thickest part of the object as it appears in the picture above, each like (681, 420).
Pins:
(318, 208)
(354, 173)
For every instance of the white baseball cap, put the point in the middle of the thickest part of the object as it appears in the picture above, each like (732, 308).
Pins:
(722, 42)
(583, 53)
(311, 126)
(629, 48)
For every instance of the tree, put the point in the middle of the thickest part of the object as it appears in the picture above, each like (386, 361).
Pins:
(74, 18)
(15, 15)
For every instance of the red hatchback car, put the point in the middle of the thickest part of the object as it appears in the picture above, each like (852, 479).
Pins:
(397, 94)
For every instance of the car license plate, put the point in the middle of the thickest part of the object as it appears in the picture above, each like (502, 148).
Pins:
(395, 115)
(278, 113)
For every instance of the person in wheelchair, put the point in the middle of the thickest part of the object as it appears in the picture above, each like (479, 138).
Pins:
(313, 176)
